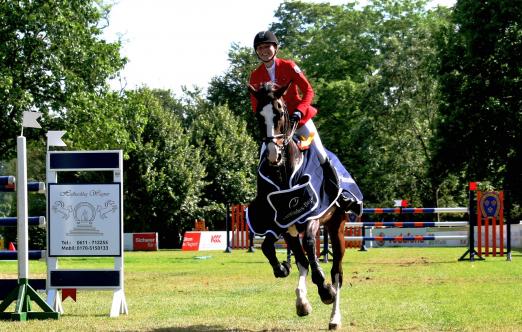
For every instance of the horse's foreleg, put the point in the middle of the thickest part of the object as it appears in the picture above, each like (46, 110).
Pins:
(302, 305)
(268, 248)
(326, 291)
(335, 317)
(336, 233)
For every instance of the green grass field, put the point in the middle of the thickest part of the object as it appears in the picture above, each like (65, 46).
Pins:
(387, 289)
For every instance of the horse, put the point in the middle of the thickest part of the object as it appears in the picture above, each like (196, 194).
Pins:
(280, 157)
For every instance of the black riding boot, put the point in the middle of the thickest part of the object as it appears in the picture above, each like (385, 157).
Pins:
(350, 205)
(331, 180)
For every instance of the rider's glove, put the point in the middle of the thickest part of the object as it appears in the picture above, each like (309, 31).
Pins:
(296, 117)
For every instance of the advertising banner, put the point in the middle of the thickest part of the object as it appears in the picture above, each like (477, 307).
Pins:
(191, 241)
(145, 241)
(208, 240)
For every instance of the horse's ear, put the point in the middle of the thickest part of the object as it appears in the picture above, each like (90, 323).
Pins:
(282, 90)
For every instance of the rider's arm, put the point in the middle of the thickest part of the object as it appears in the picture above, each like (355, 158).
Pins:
(307, 94)
(255, 82)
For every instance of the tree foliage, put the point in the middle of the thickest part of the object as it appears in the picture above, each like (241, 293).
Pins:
(372, 71)
(230, 157)
(51, 55)
(480, 108)
(231, 88)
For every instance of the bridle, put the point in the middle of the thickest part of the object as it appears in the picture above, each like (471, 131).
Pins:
(272, 109)
(286, 134)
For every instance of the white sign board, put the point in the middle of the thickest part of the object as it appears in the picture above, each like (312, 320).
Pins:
(84, 219)
(216, 240)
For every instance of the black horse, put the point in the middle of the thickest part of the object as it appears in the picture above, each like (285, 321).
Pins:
(286, 201)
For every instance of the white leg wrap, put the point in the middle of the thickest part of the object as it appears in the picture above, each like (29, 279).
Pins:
(335, 318)
(301, 290)
(302, 304)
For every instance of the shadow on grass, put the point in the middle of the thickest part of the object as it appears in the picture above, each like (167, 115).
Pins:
(408, 263)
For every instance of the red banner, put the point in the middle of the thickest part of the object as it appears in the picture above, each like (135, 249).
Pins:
(145, 241)
(191, 241)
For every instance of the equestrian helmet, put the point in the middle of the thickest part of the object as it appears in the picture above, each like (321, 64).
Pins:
(265, 37)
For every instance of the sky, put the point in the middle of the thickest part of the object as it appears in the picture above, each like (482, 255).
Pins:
(171, 43)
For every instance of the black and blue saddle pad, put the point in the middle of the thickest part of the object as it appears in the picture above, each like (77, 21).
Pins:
(279, 205)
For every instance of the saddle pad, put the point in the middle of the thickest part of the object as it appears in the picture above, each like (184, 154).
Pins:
(302, 197)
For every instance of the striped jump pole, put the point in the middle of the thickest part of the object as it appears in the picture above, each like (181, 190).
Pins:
(13, 255)
(38, 187)
(13, 221)
(7, 183)
(23, 293)
(401, 211)
(408, 224)
(406, 238)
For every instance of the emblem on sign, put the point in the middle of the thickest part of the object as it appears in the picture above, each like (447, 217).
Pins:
(489, 204)
(84, 219)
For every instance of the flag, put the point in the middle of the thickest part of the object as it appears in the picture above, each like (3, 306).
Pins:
(69, 292)
(400, 203)
(54, 138)
(29, 119)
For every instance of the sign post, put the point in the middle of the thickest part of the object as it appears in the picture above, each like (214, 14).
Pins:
(85, 220)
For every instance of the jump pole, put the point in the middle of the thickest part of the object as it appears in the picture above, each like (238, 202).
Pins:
(23, 293)
(227, 228)
(473, 219)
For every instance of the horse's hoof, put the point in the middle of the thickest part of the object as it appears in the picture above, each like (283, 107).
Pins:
(327, 294)
(281, 270)
(303, 309)
(334, 326)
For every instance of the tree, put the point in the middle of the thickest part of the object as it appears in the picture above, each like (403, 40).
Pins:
(372, 73)
(163, 174)
(230, 157)
(400, 102)
(478, 132)
(231, 88)
(51, 55)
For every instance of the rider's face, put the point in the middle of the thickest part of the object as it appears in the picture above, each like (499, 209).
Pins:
(266, 51)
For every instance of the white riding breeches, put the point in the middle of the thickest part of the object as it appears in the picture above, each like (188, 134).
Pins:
(305, 130)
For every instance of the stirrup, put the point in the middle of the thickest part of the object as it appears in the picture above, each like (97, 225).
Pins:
(350, 205)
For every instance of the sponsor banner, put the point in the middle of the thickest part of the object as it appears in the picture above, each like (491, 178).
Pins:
(145, 241)
(213, 241)
(407, 232)
(191, 241)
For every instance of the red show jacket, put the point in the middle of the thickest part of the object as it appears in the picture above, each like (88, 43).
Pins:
(286, 71)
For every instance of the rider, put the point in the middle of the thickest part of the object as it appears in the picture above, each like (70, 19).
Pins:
(298, 96)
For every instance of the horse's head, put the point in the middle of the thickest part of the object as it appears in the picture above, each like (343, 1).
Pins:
(273, 119)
